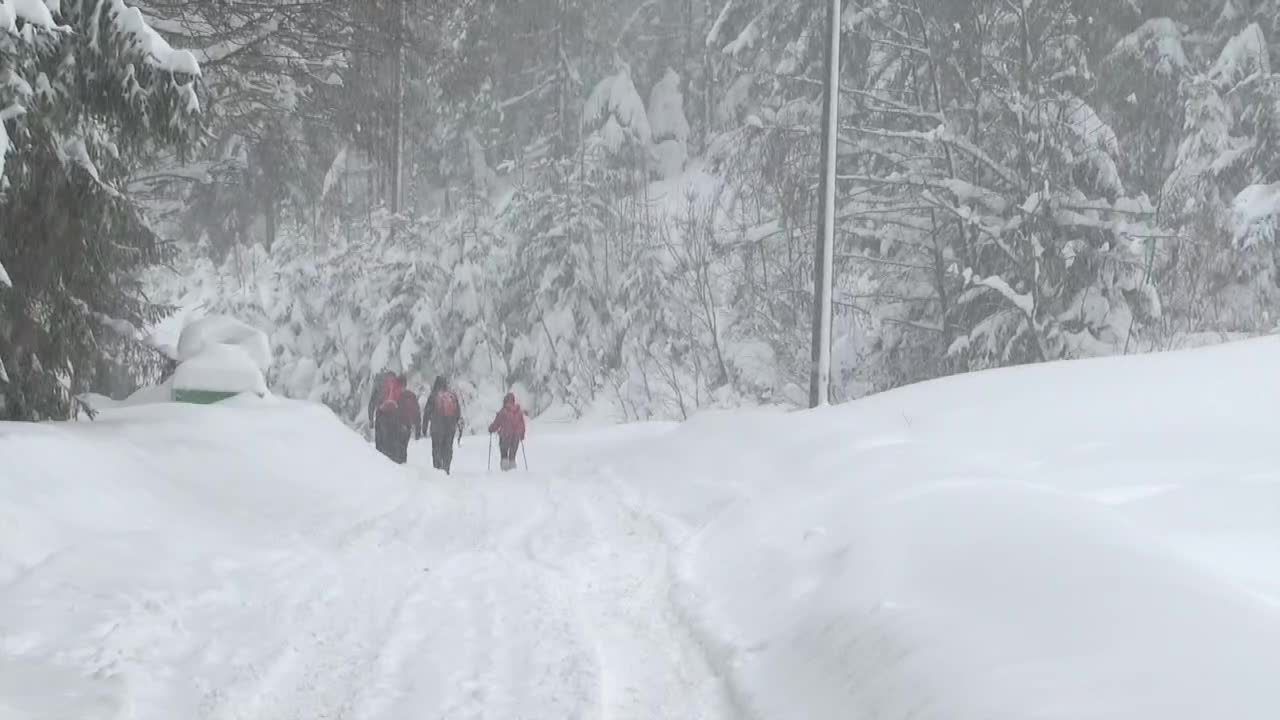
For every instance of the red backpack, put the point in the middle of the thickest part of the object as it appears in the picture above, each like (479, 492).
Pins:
(446, 404)
(391, 391)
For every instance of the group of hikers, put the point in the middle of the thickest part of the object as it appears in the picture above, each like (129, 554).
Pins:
(397, 418)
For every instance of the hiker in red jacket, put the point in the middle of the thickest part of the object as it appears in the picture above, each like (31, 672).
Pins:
(509, 424)
(378, 389)
(442, 420)
(386, 423)
(408, 413)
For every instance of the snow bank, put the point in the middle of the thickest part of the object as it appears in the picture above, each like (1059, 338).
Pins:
(136, 552)
(1094, 540)
(1086, 540)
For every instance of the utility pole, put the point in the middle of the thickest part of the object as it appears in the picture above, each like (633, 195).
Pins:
(824, 251)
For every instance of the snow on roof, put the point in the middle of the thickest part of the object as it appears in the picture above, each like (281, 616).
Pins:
(199, 335)
(220, 368)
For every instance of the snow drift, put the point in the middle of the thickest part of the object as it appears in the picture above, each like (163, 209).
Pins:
(137, 551)
(1086, 540)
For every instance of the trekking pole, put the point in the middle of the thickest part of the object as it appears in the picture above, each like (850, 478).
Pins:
(489, 456)
(525, 453)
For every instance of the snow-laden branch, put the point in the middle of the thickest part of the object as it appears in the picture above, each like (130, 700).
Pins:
(626, 26)
(746, 39)
(129, 20)
(220, 51)
(185, 27)
(713, 36)
(517, 99)
(1022, 301)
(943, 134)
(855, 257)
(76, 152)
(973, 151)
(1254, 214)
(199, 172)
(31, 12)
(336, 170)
(6, 145)
(962, 190)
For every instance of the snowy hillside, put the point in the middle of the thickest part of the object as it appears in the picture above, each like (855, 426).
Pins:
(1086, 540)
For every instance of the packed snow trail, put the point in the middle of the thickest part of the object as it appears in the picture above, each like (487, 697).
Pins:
(553, 600)
(1092, 540)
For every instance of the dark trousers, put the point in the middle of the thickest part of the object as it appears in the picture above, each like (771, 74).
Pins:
(442, 449)
(391, 437)
(401, 446)
(508, 447)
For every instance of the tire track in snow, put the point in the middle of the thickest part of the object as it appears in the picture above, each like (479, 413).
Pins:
(489, 635)
(718, 656)
(619, 566)
(332, 625)
(495, 598)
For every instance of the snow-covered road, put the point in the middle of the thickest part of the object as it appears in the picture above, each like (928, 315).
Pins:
(522, 596)
(1093, 540)
(525, 595)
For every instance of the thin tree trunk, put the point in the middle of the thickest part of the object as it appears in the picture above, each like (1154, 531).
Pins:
(562, 80)
(272, 207)
(397, 121)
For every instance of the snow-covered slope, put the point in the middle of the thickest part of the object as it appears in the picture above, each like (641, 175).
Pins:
(1095, 540)
(1088, 540)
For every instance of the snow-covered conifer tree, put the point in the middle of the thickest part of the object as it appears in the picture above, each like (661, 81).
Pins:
(90, 90)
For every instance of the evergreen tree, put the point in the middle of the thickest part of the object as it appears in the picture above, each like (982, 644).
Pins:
(91, 91)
